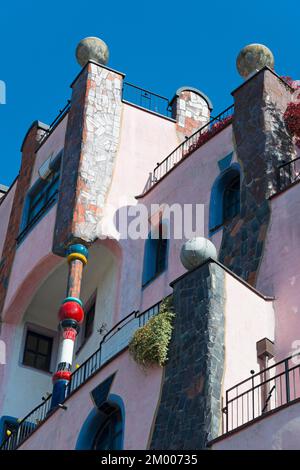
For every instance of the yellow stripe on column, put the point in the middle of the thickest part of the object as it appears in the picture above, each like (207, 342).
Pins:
(73, 256)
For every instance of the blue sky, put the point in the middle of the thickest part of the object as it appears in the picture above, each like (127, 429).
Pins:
(160, 45)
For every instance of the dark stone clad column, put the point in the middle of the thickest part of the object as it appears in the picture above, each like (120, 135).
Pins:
(189, 413)
(262, 143)
(90, 150)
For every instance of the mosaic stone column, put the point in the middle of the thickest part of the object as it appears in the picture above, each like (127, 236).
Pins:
(90, 152)
(262, 143)
(189, 410)
(71, 315)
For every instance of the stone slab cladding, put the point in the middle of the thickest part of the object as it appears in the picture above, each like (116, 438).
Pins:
(262, 143)
(191, 109)
(28, 149)
(90, 151)
(189, 412)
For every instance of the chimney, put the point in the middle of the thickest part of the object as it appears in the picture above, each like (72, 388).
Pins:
(191, 109)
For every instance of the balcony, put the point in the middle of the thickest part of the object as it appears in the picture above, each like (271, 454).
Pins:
(113, 343)
(262, 393)
(192, 143)
(146, 99)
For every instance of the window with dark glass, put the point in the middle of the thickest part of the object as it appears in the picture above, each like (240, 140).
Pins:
(231, 199)
(38, 350)
(42, 196)
(109, 436)
(89, 321)
(155, 255)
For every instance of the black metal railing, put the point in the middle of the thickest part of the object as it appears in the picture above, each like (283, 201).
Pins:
(265, 391)
(112, 343)
(55, 122)
(51, 201)
(28, 425)
(193, 142)
(146, 99)
(288, 173)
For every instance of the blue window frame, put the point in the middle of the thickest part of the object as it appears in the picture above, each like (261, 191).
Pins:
(155, 255)
(40, 198)
(42, 195)
(225, 198)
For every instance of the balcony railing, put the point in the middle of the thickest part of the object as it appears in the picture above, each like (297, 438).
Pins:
(114, 341)
(288, 174)
(146, 99)
(55, 122)
(262, 392)
(191, 144)
(27, 425)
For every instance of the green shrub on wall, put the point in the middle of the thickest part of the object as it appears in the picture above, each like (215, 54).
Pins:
(150, 343)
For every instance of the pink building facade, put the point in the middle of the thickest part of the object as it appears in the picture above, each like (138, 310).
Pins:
(117, 150)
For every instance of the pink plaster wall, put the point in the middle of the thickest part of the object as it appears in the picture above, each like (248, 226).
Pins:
(279, 274)
(5, 209)
(182, 185)
(30, 269)
(190, 182)
(29, 255)
(278, 431)
(38, 243)
(131, 383)
(145, 140)
(248, 319)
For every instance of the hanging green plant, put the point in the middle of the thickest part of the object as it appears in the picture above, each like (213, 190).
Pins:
(150, 343)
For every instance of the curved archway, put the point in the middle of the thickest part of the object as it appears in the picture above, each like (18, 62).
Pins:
(15, 307)
(35, 312)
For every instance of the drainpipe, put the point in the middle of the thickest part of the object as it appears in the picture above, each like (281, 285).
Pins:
(71, 316)
(265, 352)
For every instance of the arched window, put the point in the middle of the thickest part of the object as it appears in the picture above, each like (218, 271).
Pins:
(225, 198)
(104, 427)
(231, 199)
(109, 435)
(155, 254)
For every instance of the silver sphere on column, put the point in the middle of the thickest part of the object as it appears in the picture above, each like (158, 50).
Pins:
(196, 251)
(92, 48)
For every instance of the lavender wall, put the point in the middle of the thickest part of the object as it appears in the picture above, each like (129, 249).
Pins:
(280, 269)
(278, 431)
(139, 391)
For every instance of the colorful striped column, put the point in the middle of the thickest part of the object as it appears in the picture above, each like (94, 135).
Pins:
(71, 315)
